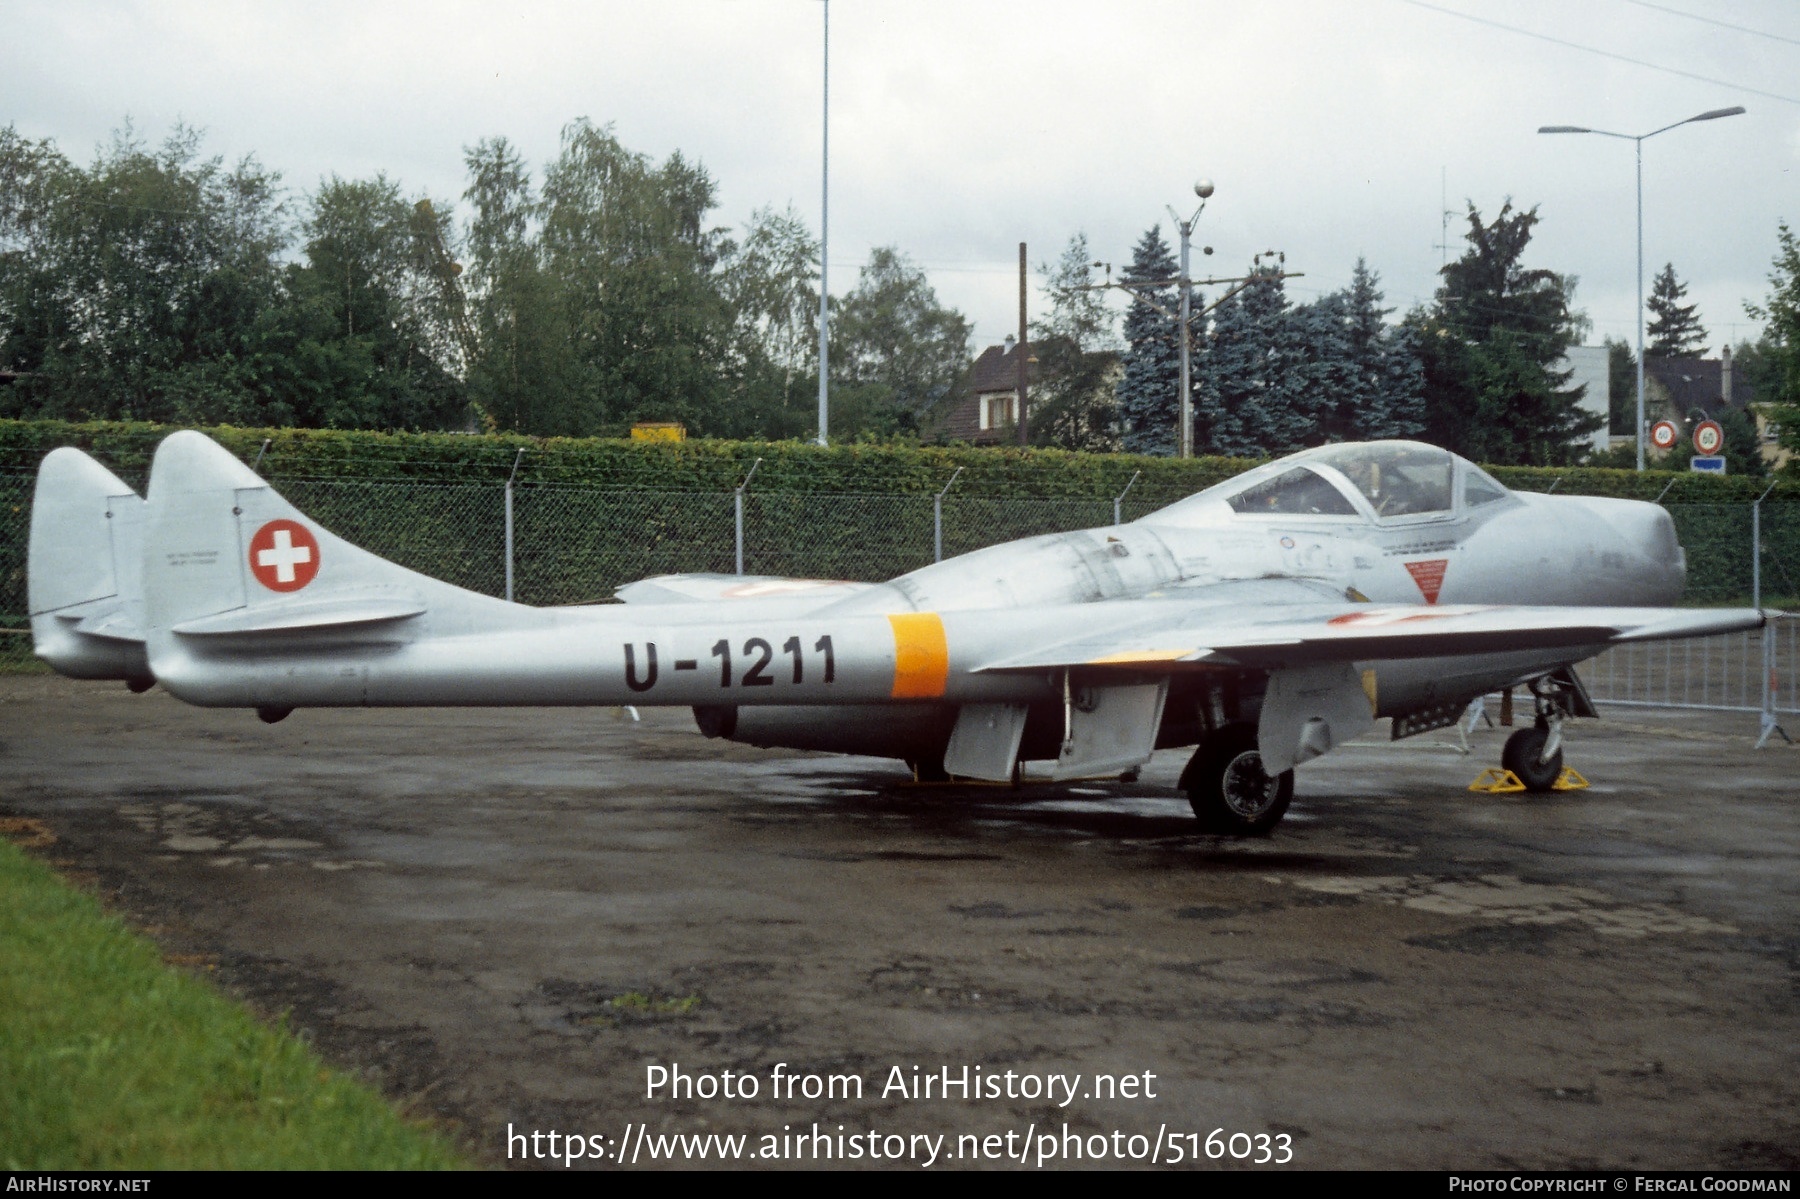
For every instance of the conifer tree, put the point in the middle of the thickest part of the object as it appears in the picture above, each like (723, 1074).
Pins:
(1675, 332)
(1363, 377)
(1490, 344)
(1258, 396)
(1149, 399)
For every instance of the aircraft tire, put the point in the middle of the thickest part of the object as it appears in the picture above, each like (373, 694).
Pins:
(1228, 788)
(1520, 755)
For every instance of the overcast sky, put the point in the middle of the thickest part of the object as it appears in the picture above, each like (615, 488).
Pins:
(959, 129)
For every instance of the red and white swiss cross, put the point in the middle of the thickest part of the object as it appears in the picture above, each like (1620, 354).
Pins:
(284, 555)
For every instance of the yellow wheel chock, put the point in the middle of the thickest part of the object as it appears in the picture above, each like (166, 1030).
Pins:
(1496, 781)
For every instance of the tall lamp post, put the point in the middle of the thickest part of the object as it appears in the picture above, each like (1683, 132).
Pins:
(1639, 138)
(825, 241)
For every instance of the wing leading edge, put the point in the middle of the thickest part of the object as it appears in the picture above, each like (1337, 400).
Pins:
(1198, 636)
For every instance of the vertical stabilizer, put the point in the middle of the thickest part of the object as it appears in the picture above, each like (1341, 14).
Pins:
(84, 570)
(244, 593)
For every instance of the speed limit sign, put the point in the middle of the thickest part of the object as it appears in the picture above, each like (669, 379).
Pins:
(1708, 437)
(1663, 434)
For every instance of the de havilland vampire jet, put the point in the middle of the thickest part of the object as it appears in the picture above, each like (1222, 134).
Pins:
(1266, 620)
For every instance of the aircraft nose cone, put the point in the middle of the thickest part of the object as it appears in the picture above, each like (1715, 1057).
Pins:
(1663, 545)
(1650, 531)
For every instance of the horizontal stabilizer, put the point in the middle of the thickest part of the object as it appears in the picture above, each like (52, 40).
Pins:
(112, 623)
(336, 613)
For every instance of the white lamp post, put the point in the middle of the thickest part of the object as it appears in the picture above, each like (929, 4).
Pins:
(1713, 115)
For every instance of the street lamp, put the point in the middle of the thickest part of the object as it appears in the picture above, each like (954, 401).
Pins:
(1713, 115)
(825, 240)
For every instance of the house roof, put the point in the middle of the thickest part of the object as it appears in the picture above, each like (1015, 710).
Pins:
(996, 370)
(1697, 382)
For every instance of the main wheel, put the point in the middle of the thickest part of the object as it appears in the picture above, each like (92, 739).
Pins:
(1521, 756)
(1228, 788)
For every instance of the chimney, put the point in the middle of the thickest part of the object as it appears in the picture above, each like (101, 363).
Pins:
(1011, 341)
(1725, 375)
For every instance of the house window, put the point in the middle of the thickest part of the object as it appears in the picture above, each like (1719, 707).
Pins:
(997, 410)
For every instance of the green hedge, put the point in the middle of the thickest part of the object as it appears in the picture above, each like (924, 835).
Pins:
(697, 465)
(787, 466)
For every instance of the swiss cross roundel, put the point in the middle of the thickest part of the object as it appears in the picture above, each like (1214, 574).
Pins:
(284, 555)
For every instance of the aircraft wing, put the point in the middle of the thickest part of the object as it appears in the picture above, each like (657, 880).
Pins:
(1197, 636)
(713, 588)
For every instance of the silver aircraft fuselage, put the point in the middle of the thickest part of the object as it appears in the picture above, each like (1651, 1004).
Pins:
(1392, 571)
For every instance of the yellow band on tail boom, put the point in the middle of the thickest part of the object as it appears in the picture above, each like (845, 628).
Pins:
(921, 655)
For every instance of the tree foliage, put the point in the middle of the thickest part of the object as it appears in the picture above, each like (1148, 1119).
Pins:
(362, 339)
(137, 287)
(897, 355)
(1675, 332)
(1777, 374)
(1257, 395)
(158, 284)
(1621, 396)
(1149, 390)
(1074, 404)
(1490, 344)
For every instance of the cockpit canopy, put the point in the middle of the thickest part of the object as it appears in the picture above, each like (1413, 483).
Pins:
(1378, 480)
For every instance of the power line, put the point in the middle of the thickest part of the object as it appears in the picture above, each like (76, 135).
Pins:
(1636, 62)
(1774, 37)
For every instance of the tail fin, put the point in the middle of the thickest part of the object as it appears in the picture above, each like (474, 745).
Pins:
(233, 573)
(84, 571)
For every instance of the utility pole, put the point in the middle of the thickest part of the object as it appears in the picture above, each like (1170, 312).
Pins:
(1184, 318)
(1185, 441)
(1024, 354)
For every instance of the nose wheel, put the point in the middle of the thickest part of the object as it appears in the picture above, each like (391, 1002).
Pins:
(1535, 755)
(1529, 755)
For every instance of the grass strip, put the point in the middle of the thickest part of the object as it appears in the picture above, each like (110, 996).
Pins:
(110, 1059)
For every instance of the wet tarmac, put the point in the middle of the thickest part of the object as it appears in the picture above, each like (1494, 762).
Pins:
(512, 919)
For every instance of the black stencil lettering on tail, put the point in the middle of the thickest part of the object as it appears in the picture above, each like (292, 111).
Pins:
(631, 679)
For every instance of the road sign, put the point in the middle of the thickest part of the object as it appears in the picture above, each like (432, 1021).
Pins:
(1708, 437)
(1663, 434)
(1712, 464)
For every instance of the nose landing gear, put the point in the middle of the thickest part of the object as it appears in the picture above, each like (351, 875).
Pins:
(1534, 756)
